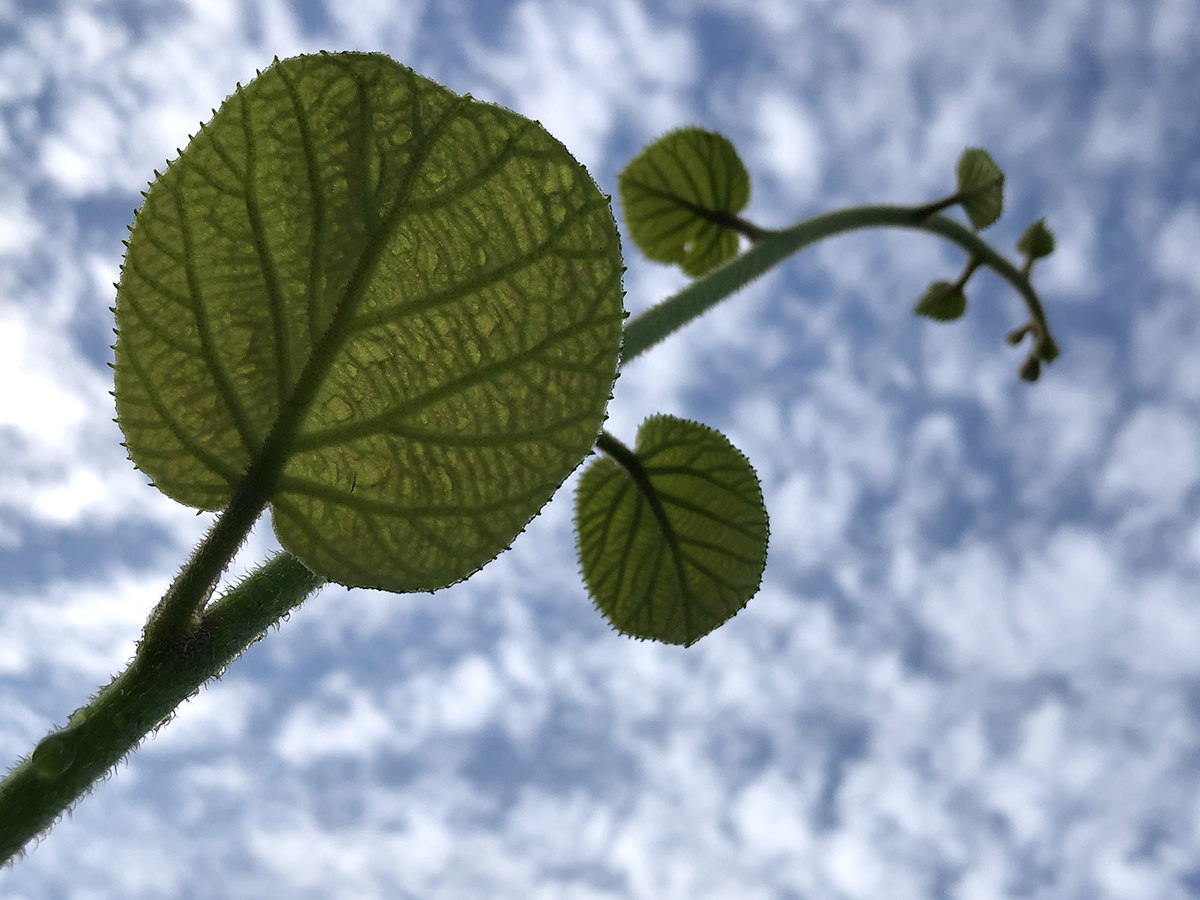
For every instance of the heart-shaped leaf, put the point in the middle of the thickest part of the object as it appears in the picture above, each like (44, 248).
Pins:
(680, 196)
(942, 302)
(981, 187)
(398, 306)
(673, 535)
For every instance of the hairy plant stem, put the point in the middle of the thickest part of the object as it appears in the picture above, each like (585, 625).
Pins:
(176, 619)
(187, 640)
(648, 328)
(64, 765)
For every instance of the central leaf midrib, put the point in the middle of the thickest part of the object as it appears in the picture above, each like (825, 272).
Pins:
(280, 442)
(720, 217)
(685, 170)
(630, 462)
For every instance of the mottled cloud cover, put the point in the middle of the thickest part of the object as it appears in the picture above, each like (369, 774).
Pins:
(973, 670)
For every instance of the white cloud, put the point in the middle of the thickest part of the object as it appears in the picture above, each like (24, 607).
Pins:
(19, 228)
(1155, 459)
(219, 715)
(578, 69)
(1175, 28)
(1066, 423)
(36, 401)
(1072, 273)
(1178, 242)
(791, 144)
(1124, 129)
(344, 720)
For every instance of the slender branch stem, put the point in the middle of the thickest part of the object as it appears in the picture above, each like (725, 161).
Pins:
(932, 209)
(748, 229)
(616, 450)
(957, 197)
(65, 764)
(174, 620)
(972, 263)
(645, 330)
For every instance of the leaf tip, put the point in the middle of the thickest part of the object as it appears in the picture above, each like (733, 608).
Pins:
(942, 302)
(1037, 241)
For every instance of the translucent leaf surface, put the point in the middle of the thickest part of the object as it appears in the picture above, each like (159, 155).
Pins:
(672, 541)
(981, 186)
(679, 196)
(942, 301)
(401, 305)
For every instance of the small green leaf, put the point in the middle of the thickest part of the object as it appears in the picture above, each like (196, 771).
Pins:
(980, 186)
(673, 541)
(1037, 241)
(399, 307)
(680, 196)
(942, 301)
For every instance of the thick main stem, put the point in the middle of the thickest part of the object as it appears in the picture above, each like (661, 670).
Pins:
(65, 764)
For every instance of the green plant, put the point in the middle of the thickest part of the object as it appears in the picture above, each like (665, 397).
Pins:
(394, 315)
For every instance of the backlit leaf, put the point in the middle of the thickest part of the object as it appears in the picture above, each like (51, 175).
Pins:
(981, 186)
(942, 302)
(679, 196)
(672, 542)
(401, 305)
(1037, 241)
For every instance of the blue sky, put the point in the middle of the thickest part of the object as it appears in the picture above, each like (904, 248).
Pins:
(973, 670)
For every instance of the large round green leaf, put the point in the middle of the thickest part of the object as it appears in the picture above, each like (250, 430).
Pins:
(673, 535)
(400, 305)
(680, 197)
